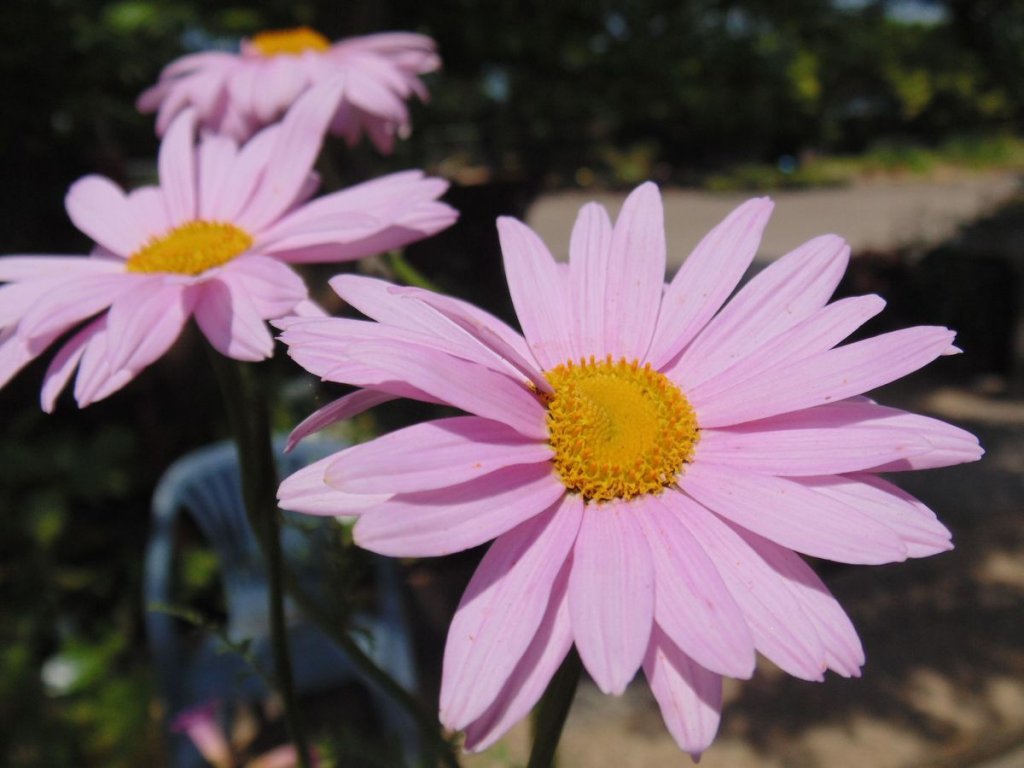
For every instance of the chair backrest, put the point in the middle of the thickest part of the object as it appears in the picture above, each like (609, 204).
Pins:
(206, 484)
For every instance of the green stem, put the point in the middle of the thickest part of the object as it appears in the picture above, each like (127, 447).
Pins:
(408, 274)
(553, 710)
(247, 412)
(426, 722)
(250, 422)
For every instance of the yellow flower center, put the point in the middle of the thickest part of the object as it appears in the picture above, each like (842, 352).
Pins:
(191, 248)
(289, 42)
(618, 429)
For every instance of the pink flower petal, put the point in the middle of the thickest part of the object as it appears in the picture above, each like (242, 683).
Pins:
(334, 336)
(825, 440)
(706, 279)
(779, 627)
(369, 218)
(17, 299)
(416, 52)
(434, 454)
(369, 205)
(201, 726)
(843, 651)
(96, 380)
(308, 308)
(144, 323)
(636, 279)
(375, 89)
(324, 346)
(148, 208)
(292, 156)
(174, 101)
(502, 609)
(246, 173)
(339, 244)
(280, 85)
(206, 92)
(232, 121)
(827, 376)
(284, 756)
(611, 594)
(818, 333)
(532, 674)
(381, 131)
(403, 307)
(242, 85)
(305, 491)
(177, 168)
(336, 411)
(378, 300)
(538, 292)
(331, 235)
(195, 61)
(321, 359)
(792, 515)
(452, 519)
(17, 351)
(589, 253)
(217, 156)
(231, 322)
(882, 501)
(950, 445)
(689, 696)
(784, 293)
(100, 209)
(274, 288)
(75, 300)
(64, 364)
(454, 332)
(501, 341)
(16, 268)
(691, 601)
(463, 384)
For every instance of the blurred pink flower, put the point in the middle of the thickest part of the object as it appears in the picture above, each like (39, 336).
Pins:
(213, 242)
(200, 724)
(285, 756)
(236, 94)
(648, 460)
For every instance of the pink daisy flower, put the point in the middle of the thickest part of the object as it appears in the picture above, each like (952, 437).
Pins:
(213, 241)
(236, 94)
(649, 460)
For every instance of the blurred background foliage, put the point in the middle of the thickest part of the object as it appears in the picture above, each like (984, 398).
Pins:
(546, 90)
(723, 93)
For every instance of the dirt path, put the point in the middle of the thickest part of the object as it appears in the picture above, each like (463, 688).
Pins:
(871, 216)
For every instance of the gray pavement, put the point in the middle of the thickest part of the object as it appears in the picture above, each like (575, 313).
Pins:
(871, 216)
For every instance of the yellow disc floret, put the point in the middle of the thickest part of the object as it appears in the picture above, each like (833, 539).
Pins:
(191, 248)
(289, 42)
(618, 429)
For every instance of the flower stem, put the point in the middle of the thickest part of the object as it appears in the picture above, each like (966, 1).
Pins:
(250, 421)
(408, 274)
(247, 412)
(428, 726)
(553, 710)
